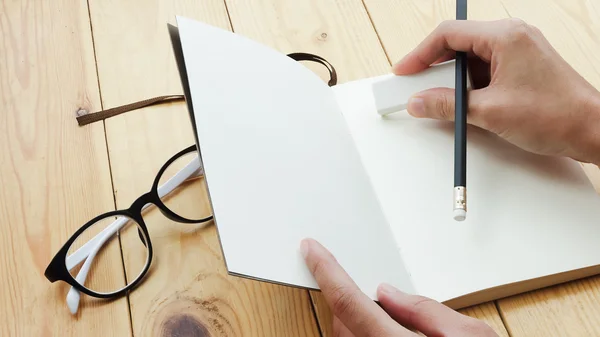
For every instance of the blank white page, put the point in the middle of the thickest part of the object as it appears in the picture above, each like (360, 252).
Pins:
(528, 216)
(281, 165)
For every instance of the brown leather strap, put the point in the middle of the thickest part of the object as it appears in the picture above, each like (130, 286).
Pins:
(103, 114)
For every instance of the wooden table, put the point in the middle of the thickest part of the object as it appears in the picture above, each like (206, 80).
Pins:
(64, 56)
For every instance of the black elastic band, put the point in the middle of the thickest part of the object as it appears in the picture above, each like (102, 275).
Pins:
(318, 59)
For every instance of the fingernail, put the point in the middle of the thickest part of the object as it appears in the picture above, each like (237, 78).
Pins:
(387, 289)
(304, 248)
(416, 106)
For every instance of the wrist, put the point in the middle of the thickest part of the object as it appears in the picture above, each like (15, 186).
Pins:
(590, 135)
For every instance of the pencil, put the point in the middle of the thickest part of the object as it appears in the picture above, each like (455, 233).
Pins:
(460, 126)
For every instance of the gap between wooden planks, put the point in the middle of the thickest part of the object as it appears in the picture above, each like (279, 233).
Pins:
(54, 177)
(187, 291)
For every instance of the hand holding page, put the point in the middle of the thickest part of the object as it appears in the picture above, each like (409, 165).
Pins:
(287, 157)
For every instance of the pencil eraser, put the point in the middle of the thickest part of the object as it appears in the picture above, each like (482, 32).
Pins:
(393, 92)
(460, 214)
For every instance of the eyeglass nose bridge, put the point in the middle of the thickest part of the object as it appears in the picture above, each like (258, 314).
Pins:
(151, 198)
(137, 208)
(140, 204)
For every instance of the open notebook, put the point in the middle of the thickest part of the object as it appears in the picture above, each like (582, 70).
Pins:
(287, 157)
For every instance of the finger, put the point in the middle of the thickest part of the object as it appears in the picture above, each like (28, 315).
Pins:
(339, 329)
(438, 103)
(361, 315)
(460, 35)
(449, 55)
(428, 316)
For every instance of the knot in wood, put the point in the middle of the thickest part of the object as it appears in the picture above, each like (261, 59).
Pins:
(80, 112)
(185, 326)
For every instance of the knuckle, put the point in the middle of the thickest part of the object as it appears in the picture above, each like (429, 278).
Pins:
(535, 30)
(517, 23)
(442, 29)
(343, 303)
(422, 303)
(443, 108)
(419, 308)
(518, 31)
(444, 25)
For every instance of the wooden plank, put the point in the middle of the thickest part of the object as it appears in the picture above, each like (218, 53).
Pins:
(54, 175)
(570, 309)
(570, 26)
(488, 313)
(188, 291)
(401, 26)
(323, 313)
(339, 31)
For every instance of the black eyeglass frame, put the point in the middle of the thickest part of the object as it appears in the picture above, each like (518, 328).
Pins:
(57, 268)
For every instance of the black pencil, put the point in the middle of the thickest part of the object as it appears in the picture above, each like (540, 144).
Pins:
(460, 126)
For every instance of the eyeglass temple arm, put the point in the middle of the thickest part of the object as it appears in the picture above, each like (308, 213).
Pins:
(73, 295)
(192, 169)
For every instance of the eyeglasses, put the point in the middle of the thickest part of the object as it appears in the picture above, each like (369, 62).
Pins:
(97, 247)
(87, 260)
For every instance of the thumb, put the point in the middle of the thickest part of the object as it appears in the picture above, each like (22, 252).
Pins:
(438, 103)
(428, 316)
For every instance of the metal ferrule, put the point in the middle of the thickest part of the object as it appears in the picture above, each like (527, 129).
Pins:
(460, 198)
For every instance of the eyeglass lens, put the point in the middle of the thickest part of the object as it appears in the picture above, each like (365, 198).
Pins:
(97, 257)
(186, 199)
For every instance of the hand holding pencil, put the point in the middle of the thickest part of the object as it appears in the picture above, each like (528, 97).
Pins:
(523, 90)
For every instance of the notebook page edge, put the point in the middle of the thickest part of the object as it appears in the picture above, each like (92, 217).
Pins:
(297, 275)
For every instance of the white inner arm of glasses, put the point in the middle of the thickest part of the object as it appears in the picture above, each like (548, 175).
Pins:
(89, 250)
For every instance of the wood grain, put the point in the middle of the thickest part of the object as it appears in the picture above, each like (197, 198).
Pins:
(570, 309)
(339, 31)
(401, 26)
(54, 176)
(488, 313)
(187, 291)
